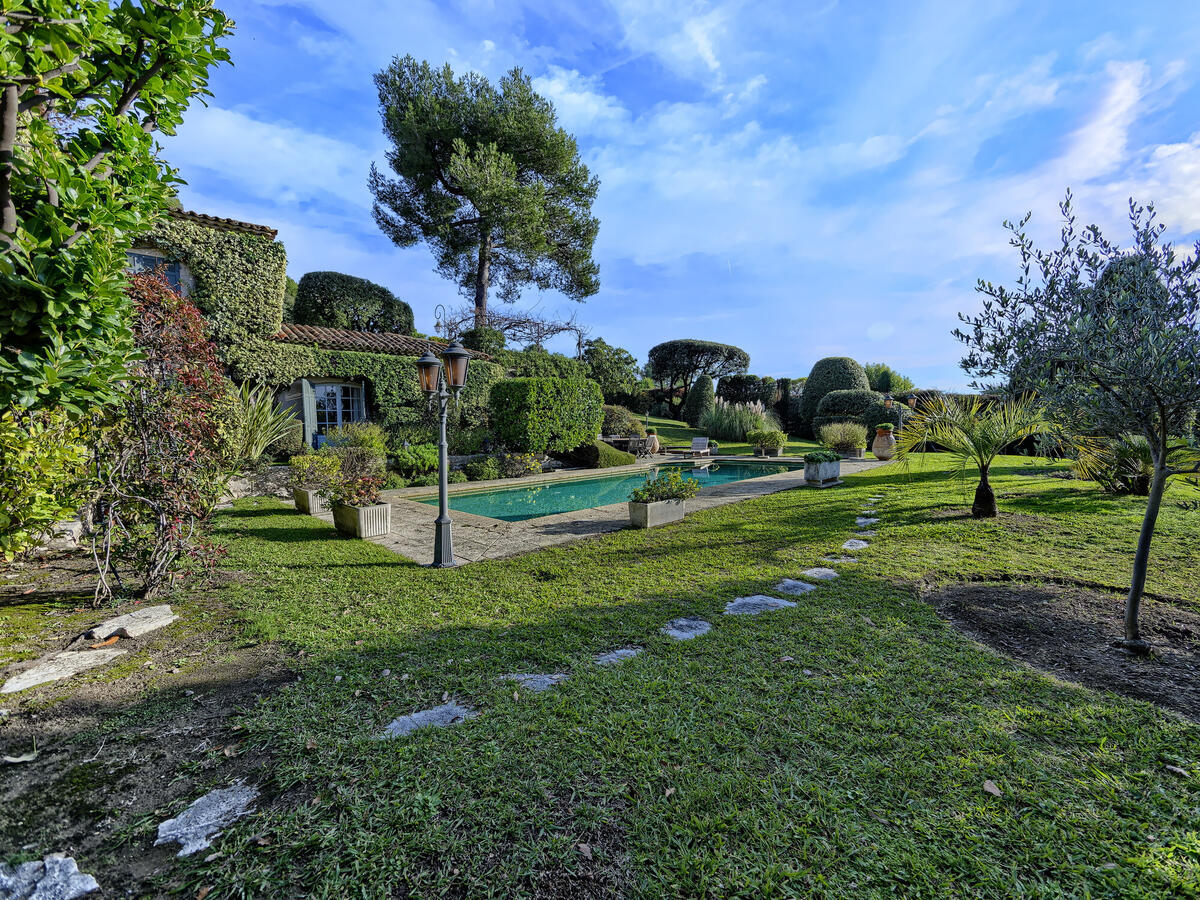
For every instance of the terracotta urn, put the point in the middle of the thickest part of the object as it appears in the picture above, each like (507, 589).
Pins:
(884, 446)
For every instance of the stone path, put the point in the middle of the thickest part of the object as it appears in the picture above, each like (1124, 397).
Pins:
(450, 713)
(57, 877)
(536, 683)
(617, 656)
(686, 629)
(196, 826)
(134, 624)
(755, 604)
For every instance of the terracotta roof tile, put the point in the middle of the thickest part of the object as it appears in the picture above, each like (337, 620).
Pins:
(363, 341)
(224, 224)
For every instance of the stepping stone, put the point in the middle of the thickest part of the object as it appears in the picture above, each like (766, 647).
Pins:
(755, 604)
(875, 499)
(196, 826)
(686, 629)
(617, 656)
(536, 683)
(820, 574)
(439, 717)
(60, 665)
(855, 544)
(794, 587)
(57, 877)
(863, 521)
(865, 534)
(839, 559)
(134, 624)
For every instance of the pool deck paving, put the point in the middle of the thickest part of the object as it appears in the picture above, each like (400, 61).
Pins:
(479, 537)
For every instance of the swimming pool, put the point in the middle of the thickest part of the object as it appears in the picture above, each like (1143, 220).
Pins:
(517, 503)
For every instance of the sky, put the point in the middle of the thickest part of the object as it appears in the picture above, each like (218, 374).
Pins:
(801, 179)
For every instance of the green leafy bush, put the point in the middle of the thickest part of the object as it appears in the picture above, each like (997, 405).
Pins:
(335, 300)
(517, 465)
(886, 380)
(43, 476)
(620, 421)
(845, 437)
(822, 456)
(485, 340)
(885, 426)
(289, 444)
(767, 440)
(733, 421)
(429, 479)
(878, 412)
(700, 400)
(366, 435)
(359, 478)
(748, 388)
(415, 460)
(597, 454)
(846, 406)
(669, 485)
(486, 469)
(262, 422)
(456, 476)
(834, 373)
(394, 482)
(537, 415)
(313, 471)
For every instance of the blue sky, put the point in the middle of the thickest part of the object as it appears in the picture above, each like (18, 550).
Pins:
(802, 179)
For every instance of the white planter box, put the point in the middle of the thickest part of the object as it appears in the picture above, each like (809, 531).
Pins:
(363, 521)
(309, 501)
(822, 473)
(856, 453)
(768, 451)
(651, 515)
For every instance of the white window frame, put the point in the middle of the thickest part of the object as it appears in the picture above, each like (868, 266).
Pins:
(348, 401)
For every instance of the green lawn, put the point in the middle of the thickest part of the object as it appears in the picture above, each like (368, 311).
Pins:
(675, 433)
(713, 767)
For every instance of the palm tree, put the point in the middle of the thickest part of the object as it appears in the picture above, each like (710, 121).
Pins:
(975, 433)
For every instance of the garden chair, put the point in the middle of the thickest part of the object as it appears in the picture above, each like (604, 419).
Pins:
(699, 448)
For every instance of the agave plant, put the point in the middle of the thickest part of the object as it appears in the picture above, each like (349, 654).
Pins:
(975, 434)
(262, 421)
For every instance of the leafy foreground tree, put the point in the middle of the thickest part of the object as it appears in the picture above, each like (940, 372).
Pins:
(975, 434)
(488, 179)
(335, 300)
(886, 380)
(1110, 341)
(615, 369)
(161, 460)
(675, 365)
(83, 86)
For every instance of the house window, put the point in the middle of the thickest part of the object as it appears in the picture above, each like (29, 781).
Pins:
(338, 404)
(144, 262)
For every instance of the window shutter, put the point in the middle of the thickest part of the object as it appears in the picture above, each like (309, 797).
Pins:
(308, 410)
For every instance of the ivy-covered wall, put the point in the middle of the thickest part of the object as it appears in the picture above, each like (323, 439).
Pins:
(240, 278)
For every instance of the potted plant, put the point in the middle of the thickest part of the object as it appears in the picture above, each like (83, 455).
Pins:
(884, 446)
(355, 494)
(847, 438)
(822, 468)
(652, 434)
(310, 476)
(767, 443)
(661, 500)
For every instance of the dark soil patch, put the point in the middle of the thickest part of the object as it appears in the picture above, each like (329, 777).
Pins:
(1025, 523)
(1070, 630)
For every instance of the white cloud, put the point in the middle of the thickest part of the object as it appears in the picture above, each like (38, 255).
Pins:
(582, 106)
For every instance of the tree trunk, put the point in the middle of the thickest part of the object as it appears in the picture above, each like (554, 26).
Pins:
(10, 98)
(482, 274)
(984, 506)
(1141, 560)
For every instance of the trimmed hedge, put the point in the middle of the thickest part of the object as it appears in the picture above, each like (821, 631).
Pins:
(749, 388)
(700, 400)
(846, 406)
(536, 415)
(336, 300)
(596, 454)
(834, 373)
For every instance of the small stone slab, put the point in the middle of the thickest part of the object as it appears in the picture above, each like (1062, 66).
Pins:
(439, 717)
(60, 665)
(865, 534)
(755, 604)
(536, 682)
(196, 826)
(134, 624)
(617, 656)
(875, 499)
(864, 521)
(839, 559)
(855, 544)
(820, 574)
(686, 629)
(794, 587)
(57, 877)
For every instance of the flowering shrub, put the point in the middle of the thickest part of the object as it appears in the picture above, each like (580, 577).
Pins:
(359, 478)
(160, 460)
(515, 465)
(670, 485)
(415, 460)
(313, 471)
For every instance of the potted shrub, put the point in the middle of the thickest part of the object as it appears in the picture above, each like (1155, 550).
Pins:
(661, 500)
(884, 446)
(822, 467)
(767, 443)
(309, 477)
(355, 494)
(847, 438)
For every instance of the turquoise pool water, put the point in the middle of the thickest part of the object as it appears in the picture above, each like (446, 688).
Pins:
(517, 503)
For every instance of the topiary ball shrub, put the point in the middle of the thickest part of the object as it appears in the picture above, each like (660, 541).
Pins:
(700, 400)
(846, 406)
(620, 421)
(596, 455)
(334, 300)
(878, 412)
(834, 373)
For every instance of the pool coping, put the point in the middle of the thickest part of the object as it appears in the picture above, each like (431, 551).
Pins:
(478, 538)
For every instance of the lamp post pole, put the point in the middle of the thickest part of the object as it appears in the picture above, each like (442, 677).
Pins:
(443, 542)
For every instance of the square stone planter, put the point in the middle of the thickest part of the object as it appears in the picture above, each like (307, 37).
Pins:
(363, 521)
(660, 512)
(857, 453)
(309, 501)
(768, 451)
(822, 473)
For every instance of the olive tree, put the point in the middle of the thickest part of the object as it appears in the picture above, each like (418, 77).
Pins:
(84, 84)
(1108, 339)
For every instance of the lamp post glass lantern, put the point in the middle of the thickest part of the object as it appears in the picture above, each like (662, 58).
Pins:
(442, 379)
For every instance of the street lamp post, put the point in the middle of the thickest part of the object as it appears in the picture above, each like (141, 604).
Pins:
(442, 379)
